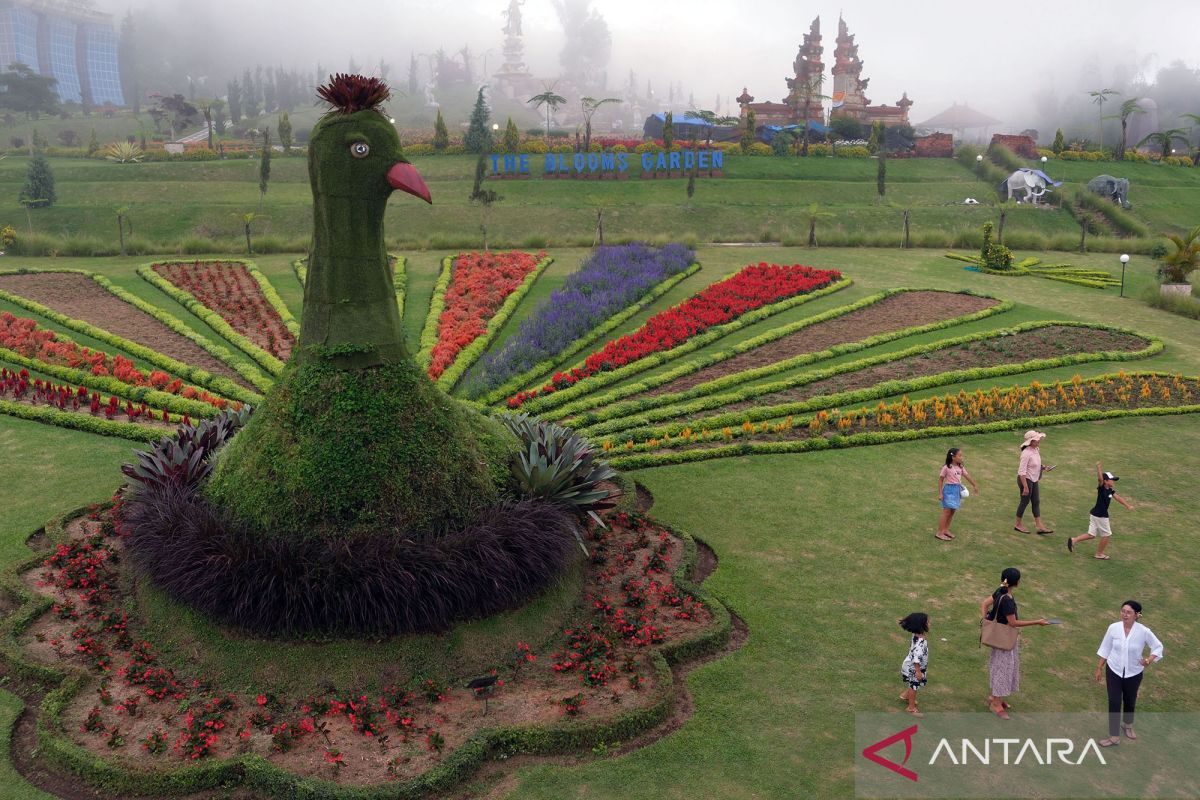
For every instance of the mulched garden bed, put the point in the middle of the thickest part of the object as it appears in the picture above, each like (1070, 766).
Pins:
(1049, 342)
(894, 313)
(148, 714)
(79, 297)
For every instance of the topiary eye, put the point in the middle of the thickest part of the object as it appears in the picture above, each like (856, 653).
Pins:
(360, 149)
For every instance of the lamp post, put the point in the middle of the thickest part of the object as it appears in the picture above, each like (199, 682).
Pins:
(979, 159)
(1124, 261)
(1043, 163)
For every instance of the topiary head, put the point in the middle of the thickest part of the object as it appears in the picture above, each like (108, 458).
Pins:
(354, 151)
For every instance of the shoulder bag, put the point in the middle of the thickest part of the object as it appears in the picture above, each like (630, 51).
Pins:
(997, 635)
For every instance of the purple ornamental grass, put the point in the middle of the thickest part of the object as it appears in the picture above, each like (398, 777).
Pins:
(611, 279)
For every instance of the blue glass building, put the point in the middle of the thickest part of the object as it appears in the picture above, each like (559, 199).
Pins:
(66, 40)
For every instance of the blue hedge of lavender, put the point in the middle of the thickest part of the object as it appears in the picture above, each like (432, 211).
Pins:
(612, 278)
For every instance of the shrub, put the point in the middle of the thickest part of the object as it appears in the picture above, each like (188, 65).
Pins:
(419, 149)
(854, 151)
(759, 149)
(648, 147)
(535, 147)
(993, 254)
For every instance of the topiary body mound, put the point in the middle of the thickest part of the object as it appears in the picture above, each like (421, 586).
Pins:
(358, 498)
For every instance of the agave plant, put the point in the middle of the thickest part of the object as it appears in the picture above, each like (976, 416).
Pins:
(185, 459)
(123, 152)
(558, 465)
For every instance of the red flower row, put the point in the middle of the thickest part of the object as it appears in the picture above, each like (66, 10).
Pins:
(753, 287)
(230, 290)
(25, 337)
(480, 284)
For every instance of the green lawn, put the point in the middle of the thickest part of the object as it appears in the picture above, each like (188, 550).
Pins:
(818, 560)
(199, 206)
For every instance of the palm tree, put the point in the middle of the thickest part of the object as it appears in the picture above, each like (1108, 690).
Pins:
(550, 100)
(1195, 120)
(1098, 97)
(1165, 139)
(589, 106)
(814, 213)
(1128, 109)
(1176, 266)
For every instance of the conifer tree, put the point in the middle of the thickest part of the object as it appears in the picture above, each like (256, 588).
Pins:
(38, 191)
(93, 143)
(441, 136)
(285, 132)
(412, 75)
(479, 135)
(264, 166)
(668, 134)
(748, 131)
(512, 137)
(1059, 143)
(235, 101)
(881, 172)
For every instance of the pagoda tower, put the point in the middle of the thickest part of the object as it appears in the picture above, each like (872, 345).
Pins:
(849, 98)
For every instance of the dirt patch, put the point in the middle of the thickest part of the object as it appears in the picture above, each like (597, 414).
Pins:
(905, 310)
(1056, 340)
(645, 500)
(79, 297)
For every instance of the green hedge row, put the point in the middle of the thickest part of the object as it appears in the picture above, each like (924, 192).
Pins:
(220, 385)
(437, 304)
(588, 385)
(1119, 218)
(899, 387)
(541, 369)
(272, 296)
(254, 772)
(80, 421)
(211, 318)
(619, 410)
(471, 353)
(647, 460)
(110, 385)
(300, 270)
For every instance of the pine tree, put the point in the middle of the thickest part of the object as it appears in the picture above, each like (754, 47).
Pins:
(1059, 143)
(249, 96)
(479, 135)
(38, 191)
(93, 143)
(881, 172)
(285, 132)
(264, 166)
(413, 87)
(235, 101)
(668, 134)
(512, 137)
(748, 131)
(441, 136)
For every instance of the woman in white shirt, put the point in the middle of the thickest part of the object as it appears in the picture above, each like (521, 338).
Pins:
(1121, 650)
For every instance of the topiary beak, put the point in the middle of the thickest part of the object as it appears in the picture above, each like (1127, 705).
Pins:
(404, 176)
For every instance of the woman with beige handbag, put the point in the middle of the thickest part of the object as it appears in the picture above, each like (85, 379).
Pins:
(999, 632)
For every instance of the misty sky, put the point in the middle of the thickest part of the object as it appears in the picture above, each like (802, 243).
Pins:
(936, 50)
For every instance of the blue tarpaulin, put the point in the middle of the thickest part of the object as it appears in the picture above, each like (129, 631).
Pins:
(769, 131)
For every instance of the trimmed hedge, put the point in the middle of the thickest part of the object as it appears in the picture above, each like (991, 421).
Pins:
(272, 296)
(471, 353)
(897, 387)
(590, 384)
(612, 323)
(110, 385)
(608, 411)
(255, 772)
(211, 318)
(79, 421)
(647, 460)
(437, 304)
(215, 383)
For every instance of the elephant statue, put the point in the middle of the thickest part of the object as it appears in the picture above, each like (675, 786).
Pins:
(1030, 184)
(1115, 189)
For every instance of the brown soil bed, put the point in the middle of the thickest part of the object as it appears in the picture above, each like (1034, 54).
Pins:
(905, 310)
(1056, 340)
(79, 297)
(532, 695)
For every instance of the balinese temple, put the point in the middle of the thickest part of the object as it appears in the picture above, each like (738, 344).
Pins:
(848, 90)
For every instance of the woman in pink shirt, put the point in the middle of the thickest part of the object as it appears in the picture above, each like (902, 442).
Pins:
(950, 490)
(1029, 473)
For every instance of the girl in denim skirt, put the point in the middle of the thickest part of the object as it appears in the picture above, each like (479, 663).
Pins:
(950, 490)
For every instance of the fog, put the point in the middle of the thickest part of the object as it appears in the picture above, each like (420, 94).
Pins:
(996, 57)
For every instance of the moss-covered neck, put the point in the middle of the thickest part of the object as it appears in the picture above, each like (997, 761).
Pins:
(350, 313)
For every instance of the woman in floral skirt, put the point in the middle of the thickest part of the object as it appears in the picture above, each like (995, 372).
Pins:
(1004, 666)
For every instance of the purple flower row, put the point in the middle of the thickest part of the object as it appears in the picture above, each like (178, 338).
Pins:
(611, 279)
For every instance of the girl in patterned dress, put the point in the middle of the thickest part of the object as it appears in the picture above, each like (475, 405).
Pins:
(912, 671)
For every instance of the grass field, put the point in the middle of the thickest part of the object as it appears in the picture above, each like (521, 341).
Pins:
(199, 207)
(815, 558)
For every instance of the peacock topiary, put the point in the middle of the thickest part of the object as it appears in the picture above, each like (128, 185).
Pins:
(358, 498)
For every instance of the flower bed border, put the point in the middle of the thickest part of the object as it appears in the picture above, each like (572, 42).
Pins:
(471, 353)
(208, 316)
(216, 383)
(610, 412)
(543, 368)
(600, 379)
(80, 421)
(887, 388)
(437, 304)
(255, 772)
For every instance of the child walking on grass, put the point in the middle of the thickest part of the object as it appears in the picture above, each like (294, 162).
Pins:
(912, 671)
(1098, 524)
(950, 490)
